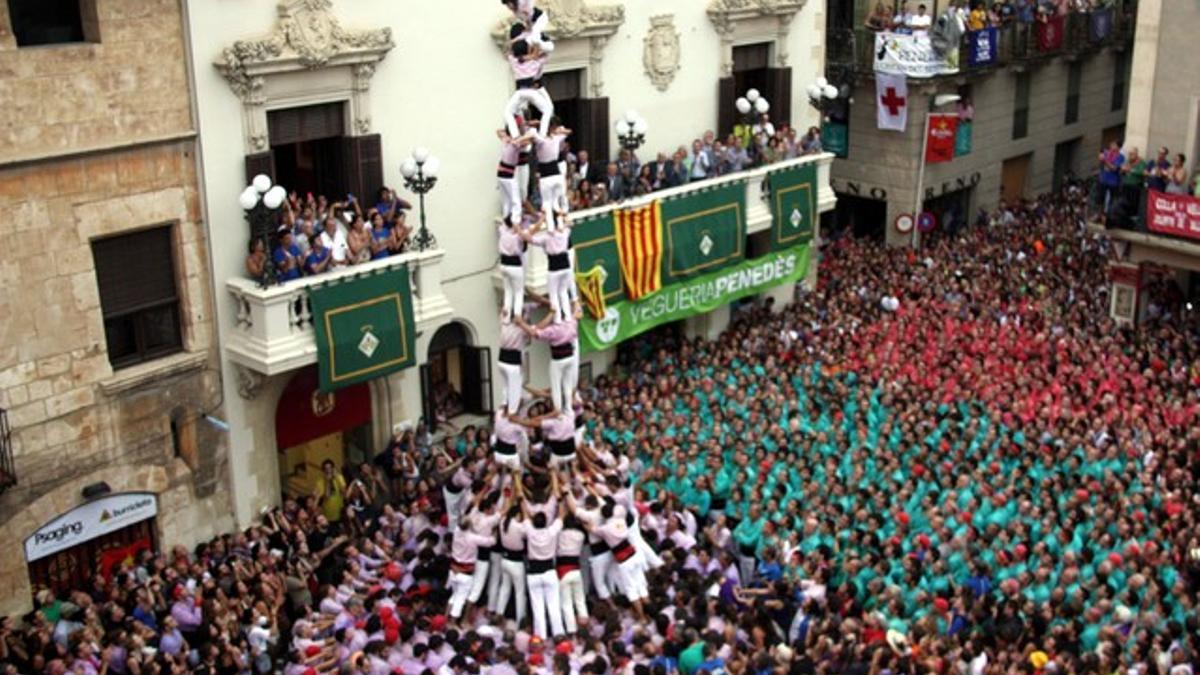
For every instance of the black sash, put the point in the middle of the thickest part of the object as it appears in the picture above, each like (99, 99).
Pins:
(511, 260)
(561, 448)
(538, 566)
(510, 356)
(504, 448)
(563, 351)
(505, 170)
(547, 169)
(515, 556)
(558, 261)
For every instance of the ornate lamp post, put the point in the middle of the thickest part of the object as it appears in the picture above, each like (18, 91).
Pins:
(260, 200)
(631, 130)
(819, 92)
(752, 101)
(420, 175)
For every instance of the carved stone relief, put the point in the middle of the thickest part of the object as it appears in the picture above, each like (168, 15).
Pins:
(660, 53)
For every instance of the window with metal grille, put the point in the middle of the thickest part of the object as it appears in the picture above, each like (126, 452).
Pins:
(1074, 84)
(1120, 77)
(138, 297)
(1021, 107)
(52, 22)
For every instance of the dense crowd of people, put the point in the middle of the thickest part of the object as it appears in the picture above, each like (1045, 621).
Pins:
(914, 17)
(1125, 178)
(754, 142)
(939, 461)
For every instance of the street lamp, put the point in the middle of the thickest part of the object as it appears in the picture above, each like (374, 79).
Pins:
(420, 173)
(631, 130)
(752, 101)
(819, 92)
(260, 200)
(937, 102)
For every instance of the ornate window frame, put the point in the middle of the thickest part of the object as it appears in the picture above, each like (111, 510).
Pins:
(746, 21)
(307, 37)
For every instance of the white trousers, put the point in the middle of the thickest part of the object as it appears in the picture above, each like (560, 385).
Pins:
(564, 376)
(493, 582)
(631, 578)
(545, 602)
(513, 382)
(572, 288)
(599, 566)
(460, 588)
(558, 287)
(574, 600)
(510, 193)
(479, 580)
(554, 197)
(537, 98)
(514, 292)
(537, 33)
(512, 582)
(649, 556)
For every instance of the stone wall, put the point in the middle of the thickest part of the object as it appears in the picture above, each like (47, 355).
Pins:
(129, 86)
(75, 420)
(889, 160)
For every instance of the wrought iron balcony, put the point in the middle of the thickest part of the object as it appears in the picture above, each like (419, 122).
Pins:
(273, 331)
(8, 474)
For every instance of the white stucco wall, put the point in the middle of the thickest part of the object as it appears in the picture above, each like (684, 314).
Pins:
(444, 86)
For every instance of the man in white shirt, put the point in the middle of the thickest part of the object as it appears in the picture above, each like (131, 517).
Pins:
(334, 240)
(920, 22)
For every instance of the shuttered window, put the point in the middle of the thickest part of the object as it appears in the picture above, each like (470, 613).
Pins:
(751, 57)
(307, 123)
(135, 274)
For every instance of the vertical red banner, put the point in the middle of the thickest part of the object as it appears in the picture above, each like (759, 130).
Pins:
(939, 144)
(1050, 33)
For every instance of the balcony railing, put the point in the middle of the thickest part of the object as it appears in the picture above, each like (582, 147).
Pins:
(8, 474)
(758, 208)
(1017, 43)
(273, 331)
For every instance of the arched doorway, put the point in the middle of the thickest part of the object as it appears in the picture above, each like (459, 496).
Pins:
(456, 379)
(311, 427)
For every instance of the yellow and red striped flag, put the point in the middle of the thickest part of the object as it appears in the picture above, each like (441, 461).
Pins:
(640, 244)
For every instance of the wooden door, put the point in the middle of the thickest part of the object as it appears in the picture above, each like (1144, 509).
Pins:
(1013, 177)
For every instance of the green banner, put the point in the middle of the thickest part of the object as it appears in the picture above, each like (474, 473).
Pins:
(703, 231)
(596, 244)
(962, 138)
(793, 205)
(623, 320)
(364, 327)
(835, 138)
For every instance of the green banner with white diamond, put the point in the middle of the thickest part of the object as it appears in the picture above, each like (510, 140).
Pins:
(703, 231)
(699, 295)
(793, 194)
(364, 327)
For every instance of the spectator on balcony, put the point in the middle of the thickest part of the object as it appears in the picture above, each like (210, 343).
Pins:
(287, 256)
(359, 241)
(880, 18)
(920, 22)
(736, 155)
(977, 19)
(901, 18)
(702, 161)
(966, 109)
(586, 169)
(581, 196)
(773, 152)
(677, 171)
(1133, 176)
(763, 129)
(1026, 11)
(1157, 170)
(1111, 161)
(614, 183)
(256, 260)
(1177, 176)
(811, 143)
(645, 182)
(334, 239)
(317, 260)
(384, 237)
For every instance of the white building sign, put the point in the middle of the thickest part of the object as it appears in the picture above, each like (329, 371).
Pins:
(88, 521)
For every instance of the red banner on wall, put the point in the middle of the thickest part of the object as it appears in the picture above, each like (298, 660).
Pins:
(943, 130)
(1050, 33)
(1177, 215)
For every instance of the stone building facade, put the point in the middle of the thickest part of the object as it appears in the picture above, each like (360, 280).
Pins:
(97, 140)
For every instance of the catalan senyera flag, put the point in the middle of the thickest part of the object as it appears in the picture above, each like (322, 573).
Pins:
(640, 244)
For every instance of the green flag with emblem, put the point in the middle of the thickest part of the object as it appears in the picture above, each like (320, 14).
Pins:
(703, 231)
(793, 193)
(595, 243)
(364, 327)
